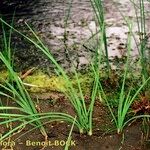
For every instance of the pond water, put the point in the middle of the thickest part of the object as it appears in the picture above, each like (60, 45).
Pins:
(48, 17)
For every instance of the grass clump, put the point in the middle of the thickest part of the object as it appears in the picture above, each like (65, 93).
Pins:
(143, 49)
(84, 113)
(126, 99)
(98, 8)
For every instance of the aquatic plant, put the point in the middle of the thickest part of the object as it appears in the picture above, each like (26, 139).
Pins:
(18, 93)
(99, 12)
(83, 113)
(140, 14)
(125, 99)
(6, 44)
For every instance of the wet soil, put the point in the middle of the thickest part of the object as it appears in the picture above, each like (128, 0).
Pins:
(104, 135)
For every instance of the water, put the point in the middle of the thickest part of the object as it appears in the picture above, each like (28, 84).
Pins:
(47, 17)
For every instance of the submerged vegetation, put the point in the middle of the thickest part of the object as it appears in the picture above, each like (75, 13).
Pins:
(119, 92)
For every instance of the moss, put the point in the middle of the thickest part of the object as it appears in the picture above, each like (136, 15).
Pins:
(3, 75)
(41, 82)
(44, 83)
(85, 80)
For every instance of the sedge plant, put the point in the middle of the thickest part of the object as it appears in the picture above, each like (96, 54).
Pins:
(83, 113)
(98, 8)
(141, 44)
(141, 13)
(7, 50)
(13, 84)
(126, 99)
(143, 40)
(24, 120)
(6, 43)
(27, 113)
(18, 92)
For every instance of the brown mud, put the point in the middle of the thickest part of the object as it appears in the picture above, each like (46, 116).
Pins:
(104, 134)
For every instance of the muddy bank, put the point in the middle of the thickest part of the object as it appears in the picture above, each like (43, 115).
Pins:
(48, 19)
(104, 132)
